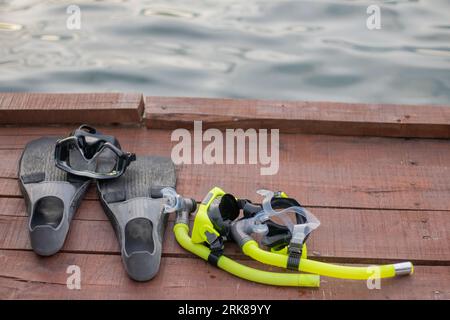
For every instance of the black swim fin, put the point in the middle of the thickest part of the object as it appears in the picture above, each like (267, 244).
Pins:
(138, 219)
(52, 195)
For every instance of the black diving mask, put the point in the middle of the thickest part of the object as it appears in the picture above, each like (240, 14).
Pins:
(88, 153)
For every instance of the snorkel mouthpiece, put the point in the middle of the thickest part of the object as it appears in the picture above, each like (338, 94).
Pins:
(175, 203)
(174, 200)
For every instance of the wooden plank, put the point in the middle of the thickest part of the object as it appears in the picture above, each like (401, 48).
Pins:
(33, 131)
(327, 171)
(60, 108)
(428, 121)
(357, 236)
(80, 238)
(88, 210)
(348, 186)
(25, 276)
(9, 188)
(423, 152)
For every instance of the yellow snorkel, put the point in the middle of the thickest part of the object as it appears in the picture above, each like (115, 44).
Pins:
(206, 242)
(293, 256)
(217, 220)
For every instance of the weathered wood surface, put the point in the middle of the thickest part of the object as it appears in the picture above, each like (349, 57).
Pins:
(379, 199)
(42, 108)
(321, 171)
(344, 236)
(300, 117)
(25, 276)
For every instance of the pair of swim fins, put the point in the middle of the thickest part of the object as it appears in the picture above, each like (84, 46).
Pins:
(53, 197)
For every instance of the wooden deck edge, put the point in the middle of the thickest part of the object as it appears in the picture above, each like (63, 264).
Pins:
(425, 121)
(69, 108)
(333, 118)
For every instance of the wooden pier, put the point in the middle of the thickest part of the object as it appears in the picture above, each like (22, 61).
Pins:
(377, 177)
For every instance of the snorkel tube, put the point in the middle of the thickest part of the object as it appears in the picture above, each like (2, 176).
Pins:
(205, 232)
(295, 259)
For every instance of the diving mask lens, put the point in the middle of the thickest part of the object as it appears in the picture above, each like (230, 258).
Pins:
(298, 230)
(107, 161)
(91, 155)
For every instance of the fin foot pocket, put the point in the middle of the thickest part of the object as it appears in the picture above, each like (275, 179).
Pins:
(138, 236)
(47, 211)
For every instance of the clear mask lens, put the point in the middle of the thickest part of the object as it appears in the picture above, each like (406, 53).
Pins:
(288, 215)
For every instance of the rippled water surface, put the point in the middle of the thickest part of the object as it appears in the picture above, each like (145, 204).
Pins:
(303, 50)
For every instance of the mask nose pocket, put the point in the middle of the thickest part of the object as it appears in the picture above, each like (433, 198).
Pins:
(47, 211)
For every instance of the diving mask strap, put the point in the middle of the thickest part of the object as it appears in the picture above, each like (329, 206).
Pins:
(295, 249)
(306, 223)
(216, 246)
(130, 157)
(216, 242)
(85, 131)
(294, 258)
(249, 209)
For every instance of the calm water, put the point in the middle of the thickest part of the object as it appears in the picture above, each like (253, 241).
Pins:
(308, 50)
